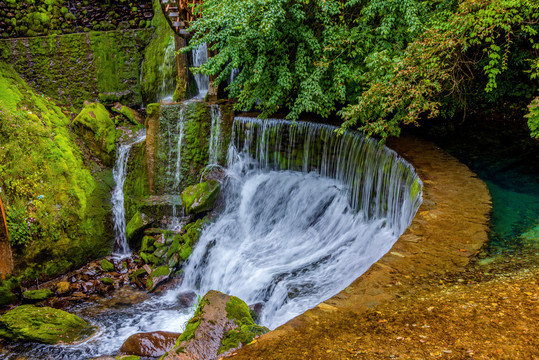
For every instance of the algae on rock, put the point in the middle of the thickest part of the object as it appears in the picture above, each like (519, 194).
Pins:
(43, 324)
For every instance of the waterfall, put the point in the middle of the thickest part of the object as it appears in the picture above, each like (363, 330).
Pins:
(215, 136)
(306, 213)
(176, 132)
(233, 75)
(119, 173)
(200, 57)
(166, 70)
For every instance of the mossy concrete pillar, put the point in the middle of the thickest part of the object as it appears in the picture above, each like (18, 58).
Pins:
(6, 258)
(182, 80)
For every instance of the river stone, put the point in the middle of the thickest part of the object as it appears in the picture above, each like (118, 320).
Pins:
(44, 325)
(221, 324)
(152, 344)
(200, 197)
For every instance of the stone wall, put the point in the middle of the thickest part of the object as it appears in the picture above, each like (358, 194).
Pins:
(55, 17)
(72, 68)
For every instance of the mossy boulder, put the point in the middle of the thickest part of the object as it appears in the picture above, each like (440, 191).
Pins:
(37, 295)
(96, 128)
(132, 115)
(136, 226)
(106, 265)
(44, 325)
(6, 296)
(200, 197)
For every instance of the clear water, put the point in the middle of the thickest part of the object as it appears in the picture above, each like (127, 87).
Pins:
(508, 162)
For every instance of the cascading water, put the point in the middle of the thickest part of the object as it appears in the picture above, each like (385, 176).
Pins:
(175, 133)
(306, 213)
(200, 57)
(215, 136)
(119, 173)
(166, 71)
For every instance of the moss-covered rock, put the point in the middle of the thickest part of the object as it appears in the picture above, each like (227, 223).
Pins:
(201, 197)
(132, 115)
(135, 227)
(157, 276)
(238, 311)
(107, 281)
(107, 266)
(62, 288)
(47, 179)
(43, 324)
(220, 323)
(37, 295)
(95, 126)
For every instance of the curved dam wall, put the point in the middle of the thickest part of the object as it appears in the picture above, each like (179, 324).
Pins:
(380, 183)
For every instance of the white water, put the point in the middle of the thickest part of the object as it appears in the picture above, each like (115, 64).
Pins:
(119, 173)
(200, 57)
(174, 170)
(215, 137)
(294, 237)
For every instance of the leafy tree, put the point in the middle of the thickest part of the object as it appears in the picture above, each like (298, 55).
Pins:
(379, 64)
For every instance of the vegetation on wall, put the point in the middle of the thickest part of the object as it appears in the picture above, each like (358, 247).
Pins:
(378, 64)
(78, 67)
(55, 17)
(56, 201)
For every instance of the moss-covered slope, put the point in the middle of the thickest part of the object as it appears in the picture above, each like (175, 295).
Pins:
(57, 208)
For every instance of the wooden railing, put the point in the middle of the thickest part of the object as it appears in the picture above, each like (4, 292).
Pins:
(6, 260)
(180, 13)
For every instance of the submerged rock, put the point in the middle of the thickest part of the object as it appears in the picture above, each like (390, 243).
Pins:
(221, 323)
(150, 344)
(43, 324)
(200, 197)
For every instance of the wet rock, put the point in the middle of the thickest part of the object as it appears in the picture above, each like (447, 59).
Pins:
(221, 323)
(200, 197)
(132, 115)
(43, 324)
(187, 299)
(157, 276)
(256, 310)
(152, 344)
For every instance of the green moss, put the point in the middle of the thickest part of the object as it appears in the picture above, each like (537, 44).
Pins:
(97, 129)
(46, 177)
(193, 323)
(135, 226)
(107, 266)
(199, 198)
(37, 295)
(43, 324)
(136, 186)
(147, 244)
(246, 331)
(153, 74)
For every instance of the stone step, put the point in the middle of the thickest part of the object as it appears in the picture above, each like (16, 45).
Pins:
(173, 14)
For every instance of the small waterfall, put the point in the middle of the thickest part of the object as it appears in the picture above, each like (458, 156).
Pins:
(233, 74)
(119, 173)
(200, 57)
(215, 137)
(176, 132)
(307, 212)
(166, 69)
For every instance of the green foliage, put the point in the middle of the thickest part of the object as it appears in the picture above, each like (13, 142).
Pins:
(379, 64)
(307, 56)
(533, 117)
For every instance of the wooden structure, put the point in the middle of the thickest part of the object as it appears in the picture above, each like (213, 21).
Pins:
(179, 14)
(6, 258)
